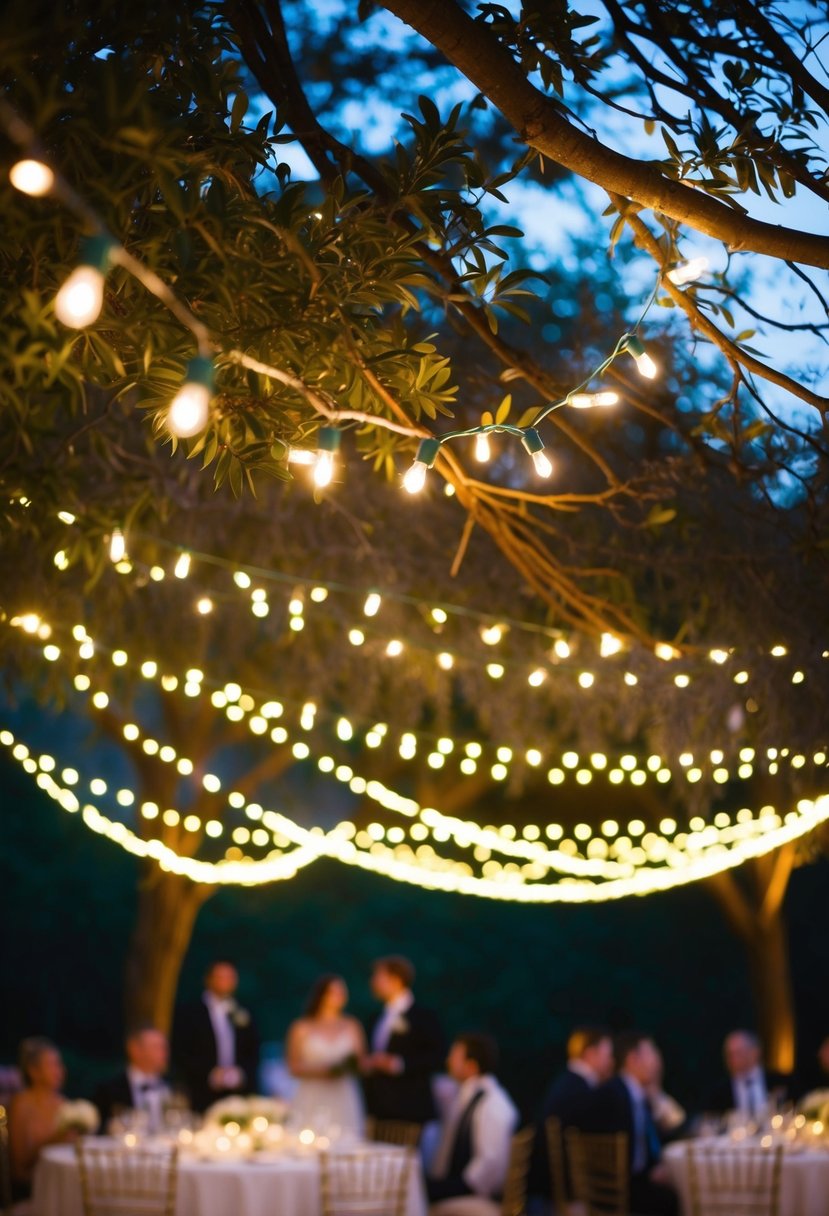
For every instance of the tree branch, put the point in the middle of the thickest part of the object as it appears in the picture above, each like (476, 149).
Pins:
(474, 51)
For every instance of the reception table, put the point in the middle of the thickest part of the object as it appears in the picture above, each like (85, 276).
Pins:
(804, 1184)
(258, 1185)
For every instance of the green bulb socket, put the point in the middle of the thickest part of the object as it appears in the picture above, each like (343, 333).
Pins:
(328, 439)
(427, 452)
(634, 347)
(532, 441)
(200, 371)
(96, 252)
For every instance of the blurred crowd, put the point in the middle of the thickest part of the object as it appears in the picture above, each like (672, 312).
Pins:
(400, 1067)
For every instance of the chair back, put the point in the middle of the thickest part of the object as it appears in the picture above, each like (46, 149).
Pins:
(393, 1131)
(514, 1202)
(366, 1181)
(727, 1180)
(554, 1135)
(117, 1180)
(599, 1171)
(5, 1163)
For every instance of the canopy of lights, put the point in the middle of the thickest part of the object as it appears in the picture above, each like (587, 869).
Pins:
(247, 843)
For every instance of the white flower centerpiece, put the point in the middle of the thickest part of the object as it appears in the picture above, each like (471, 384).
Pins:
(238, 1126)
(80, 1116)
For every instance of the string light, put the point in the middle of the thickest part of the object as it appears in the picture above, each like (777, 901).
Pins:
(328, 442)
(688, 272)
(644, 363)
(427, 868)
(534, 445)
(483, 452)
(32, 177)
(79, 301)
(190, 409)
(182, 566)
(117, 546)
(589, 401)
(415, 478)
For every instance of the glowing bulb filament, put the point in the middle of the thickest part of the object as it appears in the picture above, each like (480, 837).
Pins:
(483, 451)
(323, 469)
(589, 401)
(79, 301)
(182, 566)
(117, 546)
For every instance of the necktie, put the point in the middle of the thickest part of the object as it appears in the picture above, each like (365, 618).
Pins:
(654, 1144)
(461, 1153)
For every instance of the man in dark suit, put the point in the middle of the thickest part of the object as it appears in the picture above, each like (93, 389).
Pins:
(215, 1041)
(569, 1098)
(621, 1105)
(141, 1085)
(749, 1087)
(407, 1047)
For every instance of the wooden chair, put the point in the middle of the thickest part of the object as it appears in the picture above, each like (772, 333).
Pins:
(554, 1136)
(393, 1131)
(599, 1171)
(5, 1164)
(366, 1181)
(726, 1181)
(121, 1181)
(514, 1201)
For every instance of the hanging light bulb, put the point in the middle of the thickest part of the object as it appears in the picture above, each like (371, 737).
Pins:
(117, 546)
(640, 356)
(534, 445)
(415, 478)
(79, 301)
(301, 456)
(32, 177)
(589, 401)
(688, 272)
(190, 408)
(609, 645)
(182, 566)
(372, 605)
(483, 451)
(328, 441)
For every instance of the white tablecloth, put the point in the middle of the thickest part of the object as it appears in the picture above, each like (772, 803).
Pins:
(804, 1187)
(287, 1185)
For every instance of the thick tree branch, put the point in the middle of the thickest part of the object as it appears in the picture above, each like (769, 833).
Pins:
(474, 51)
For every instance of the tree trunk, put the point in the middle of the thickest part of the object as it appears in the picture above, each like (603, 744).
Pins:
(771, 983)
(755, 912)
(168, 905)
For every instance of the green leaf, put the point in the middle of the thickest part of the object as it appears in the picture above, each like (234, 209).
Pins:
(238, 111)
(502, 413)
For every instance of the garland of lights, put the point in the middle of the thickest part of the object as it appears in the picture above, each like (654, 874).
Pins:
(492, 630)
(538, 860)
(423, 868)
(261, 708)
(79, 301)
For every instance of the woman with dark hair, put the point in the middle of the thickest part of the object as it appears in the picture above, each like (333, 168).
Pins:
(34, 1113)
(324, 1050)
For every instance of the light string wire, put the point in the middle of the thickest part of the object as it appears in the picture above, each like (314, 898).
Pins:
(191, 414)
(569, 764)
(241, 572)
(539, 859)
(441, 874)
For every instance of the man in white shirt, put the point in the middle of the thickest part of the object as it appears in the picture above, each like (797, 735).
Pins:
(473, 1155)
(141, 1086)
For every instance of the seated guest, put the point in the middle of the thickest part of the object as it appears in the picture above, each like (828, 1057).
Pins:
(473, 1154)
(622, 1105)
(670, 1118)
(817, 1097)
(589, 1064)
(748, 1087)
(141, 1085)
(215, 1041)
(34, 1112)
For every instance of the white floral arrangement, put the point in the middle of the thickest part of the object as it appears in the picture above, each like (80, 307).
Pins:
(80, 1116)
(244, 1110)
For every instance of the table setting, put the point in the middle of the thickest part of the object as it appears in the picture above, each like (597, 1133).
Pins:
(801, 1136)
(245, 1155)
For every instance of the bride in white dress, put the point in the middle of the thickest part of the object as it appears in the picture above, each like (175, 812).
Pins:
(324, 1050)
